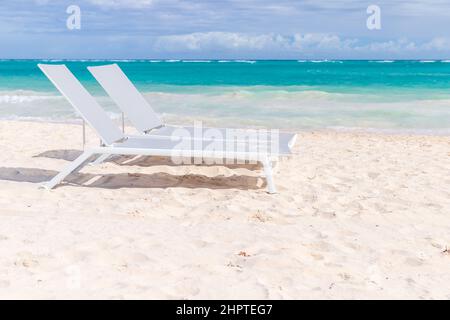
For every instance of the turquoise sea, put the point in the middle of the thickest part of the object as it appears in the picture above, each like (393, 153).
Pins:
(410, 96)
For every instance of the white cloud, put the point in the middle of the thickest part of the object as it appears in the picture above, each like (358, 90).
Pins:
(439, 44)
(238, 41)
(309, 43)
(136, 4)
(225, 40)
(401, 8)
(321, 41)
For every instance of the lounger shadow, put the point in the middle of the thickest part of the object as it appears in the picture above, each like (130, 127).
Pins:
(129, 180)
(71, 155)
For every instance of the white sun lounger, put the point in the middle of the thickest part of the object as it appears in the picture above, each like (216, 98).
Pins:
(116, 143)
(141, 114)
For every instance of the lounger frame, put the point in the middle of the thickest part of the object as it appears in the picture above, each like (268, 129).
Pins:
(115, 142)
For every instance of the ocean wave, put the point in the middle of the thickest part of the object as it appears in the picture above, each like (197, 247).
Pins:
(270, 106)
(50, 119)
(245, 61)
(86, 60)
(197, 61)
(237, 61)
(383, 61)
(258, 92)
(25, 98)
(427, 61)
(390, 131)
(123, 60)
(320, 61)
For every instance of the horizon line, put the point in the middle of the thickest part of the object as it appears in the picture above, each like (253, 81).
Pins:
(212, 59)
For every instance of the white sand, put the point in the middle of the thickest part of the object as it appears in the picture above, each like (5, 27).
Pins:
(357, 216)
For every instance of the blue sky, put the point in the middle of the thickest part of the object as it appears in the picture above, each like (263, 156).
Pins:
(227, 29)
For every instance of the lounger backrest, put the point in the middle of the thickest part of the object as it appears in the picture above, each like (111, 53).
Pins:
(83, 102)
(127, 97)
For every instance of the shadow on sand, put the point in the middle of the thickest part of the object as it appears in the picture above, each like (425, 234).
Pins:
(141, 161)
(132, 180)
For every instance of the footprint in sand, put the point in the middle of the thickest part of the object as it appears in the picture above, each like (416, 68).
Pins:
(136, 214)
(373, 175)
(260, 217)
(345, 276)
(139, 258)
(27, 263)
(414, 262)
(321, 246)
(317, 256)
(330, 187)
(200, 243)
(328, 215)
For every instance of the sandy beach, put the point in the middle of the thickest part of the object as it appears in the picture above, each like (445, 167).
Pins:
(358, 215)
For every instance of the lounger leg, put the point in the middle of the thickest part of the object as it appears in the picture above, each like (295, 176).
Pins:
(68, 170)
(101, 159)
(269, 177)
(275, 166)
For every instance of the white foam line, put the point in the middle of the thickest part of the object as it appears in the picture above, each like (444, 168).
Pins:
(245, 61)
(383, 61)
(197, 61)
